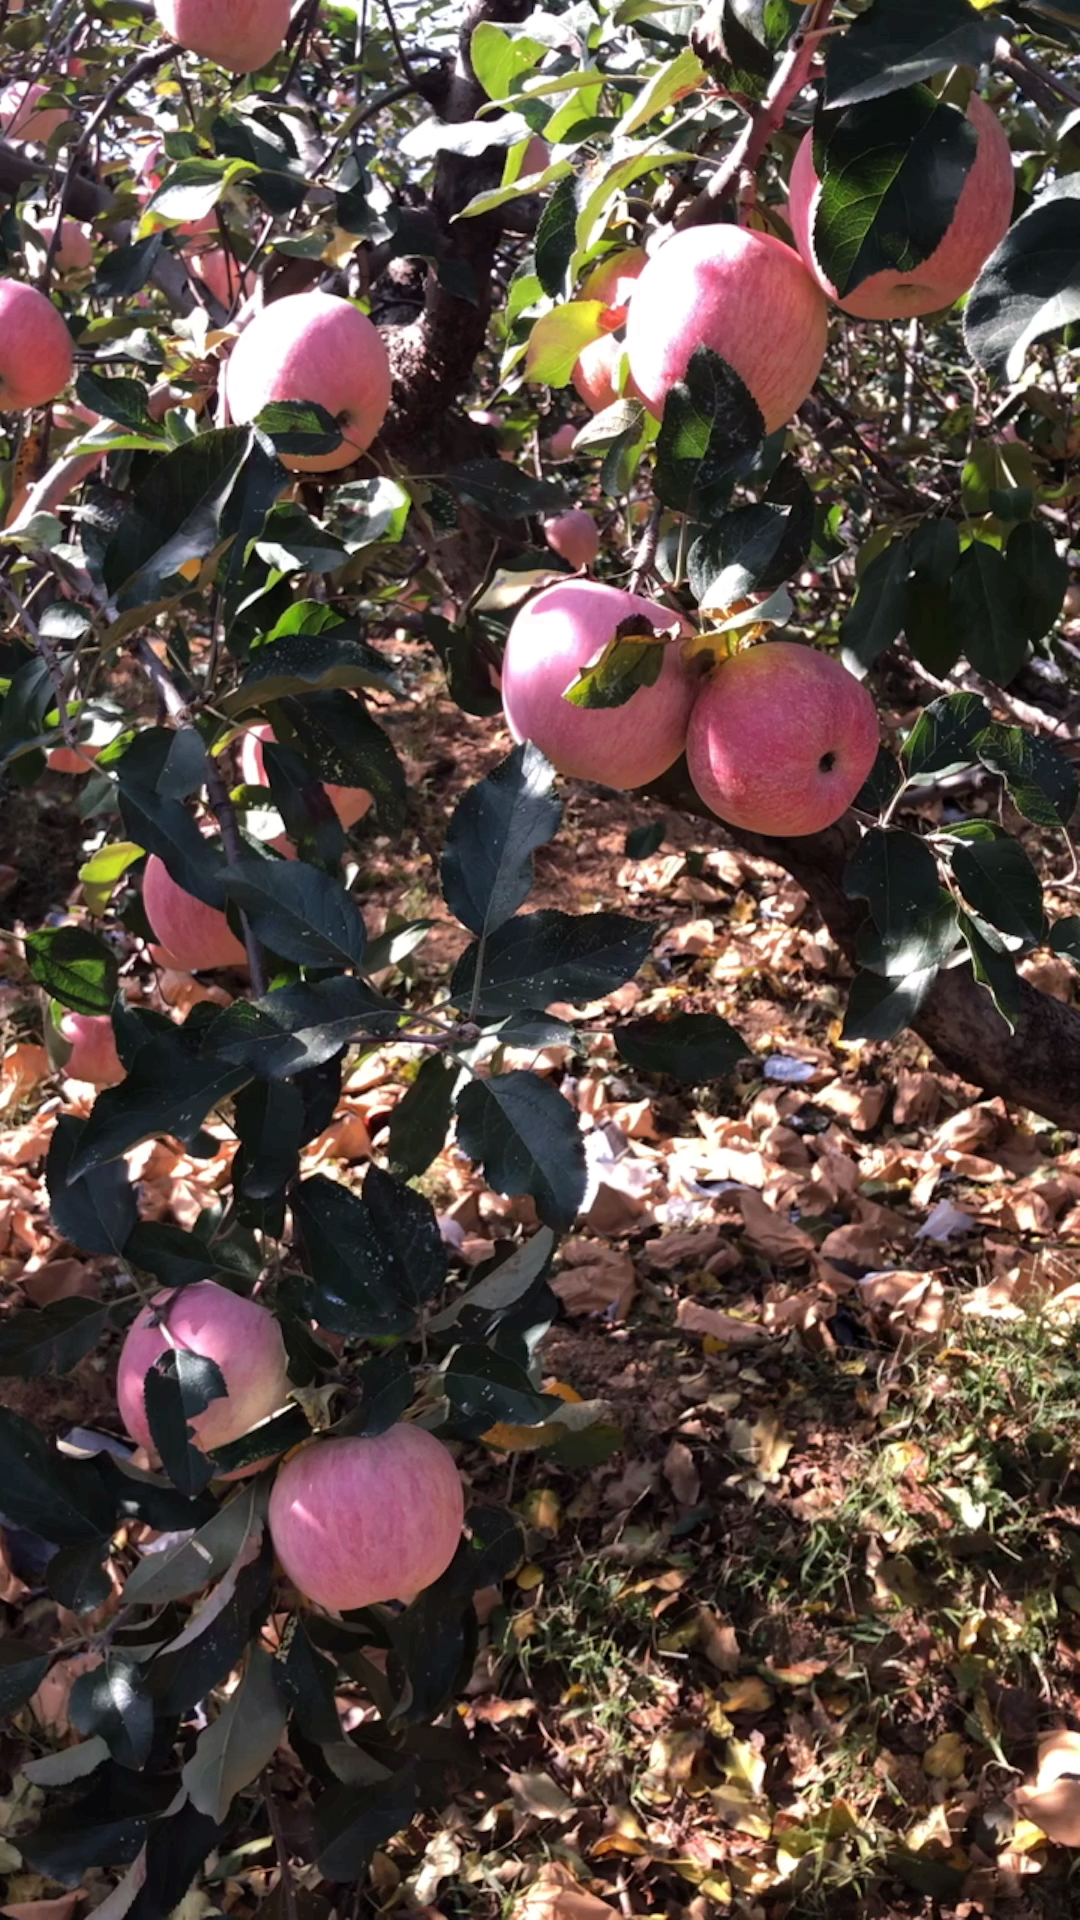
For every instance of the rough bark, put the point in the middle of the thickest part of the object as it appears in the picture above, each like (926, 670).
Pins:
(1037, 1066)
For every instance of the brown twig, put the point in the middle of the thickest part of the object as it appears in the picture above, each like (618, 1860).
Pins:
(877, 460)
(216, 792)
(1036, 80)
(743, 160)
(646, 553)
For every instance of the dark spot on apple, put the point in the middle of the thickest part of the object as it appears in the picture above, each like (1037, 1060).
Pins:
(827, 763)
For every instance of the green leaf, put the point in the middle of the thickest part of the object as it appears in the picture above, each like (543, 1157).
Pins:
(556, 239)
(177, 1258)
(496, 827)
(63, 1499)
(355, 1279)
(387, 1389)
(943, 739)
(1030, 286)
(293, 1029)
(118, 398)
(525, 1135)
(308, 660)
(1041, 573)
(880, 610)
(998, 880)
(485, 1386)
(711, 429)
(924, 943)
(28, 699)
(194, 186)
(898, 42)
(110, 1701)
(178, 515)
(557, 340)
(167, 1091)
(55, 1338)
(197, 1562)
(892, 172)
(340, 740)
(693, 1047)
(97, 1215)
(271, 1438)
(299, 427)
(879, 1009)
(991, 622)
(896, 874)
(351, 1822)
(498, 59)
(540, 957)
(420, 1121)
(751, 550)
(179, 1386)
(232, 1751)
(994, 967)
(631, 660)
(298, 912)
(75, 967)
(293, 542)
(1042, 783)
(21, 1673)
(1065, 937)
(500, 1292)
(505, 492)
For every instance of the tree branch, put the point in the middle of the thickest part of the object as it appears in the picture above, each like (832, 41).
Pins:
(1036, 1066)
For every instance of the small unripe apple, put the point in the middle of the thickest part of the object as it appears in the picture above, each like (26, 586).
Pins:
(981, 220)
(781, 739)
(574, 536)
(93, 1055)
(551, 640)
(349, 803)
(193, 935)
(35, 348)
(239, 1335)
(743, 294)
(19, 119)
(313, 346)
(561, 444)
(358, 1521)
(241, 35)
(596, 373)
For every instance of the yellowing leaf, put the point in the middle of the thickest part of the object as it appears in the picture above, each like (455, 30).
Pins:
(557, 339)
(946, 1759)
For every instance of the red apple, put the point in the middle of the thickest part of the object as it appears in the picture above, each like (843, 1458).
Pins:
(18, 118)
(93, 1055)
(743, 294)
(781, 739)
(313, 346)
(981, 220)
(561, 444)
(238, 1334)
(349, 803)
(596, 373)
(192, 935)
(241, 35)
(613, 279)
(76, 250)
(358, 1521)
(574, 536)
(35, 348)
(552, 638)
(219, 271)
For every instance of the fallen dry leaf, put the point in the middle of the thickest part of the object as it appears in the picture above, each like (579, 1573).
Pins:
(1055, 1809)
(600, 1282)
(770, 1233)
(718, 1641)
(58, 1280)
(681, 1474)
(556, 1895)
(694, 1318)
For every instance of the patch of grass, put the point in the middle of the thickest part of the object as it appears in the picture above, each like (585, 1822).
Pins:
(593, 1639)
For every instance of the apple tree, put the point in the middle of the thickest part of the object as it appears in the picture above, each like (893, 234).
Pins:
(783, 297)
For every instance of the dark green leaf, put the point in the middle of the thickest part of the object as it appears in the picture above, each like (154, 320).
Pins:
(998, 880)
(268, 1117)
(944, 736)
(892, 171)
(308, 661)
(897, 42)
(299, 427)
(178, 515)
(987, 601)
(298, 912)
(693, 1047)
(505, 492)
(167, 1091)
(406, 1223)
(294, 1029)
(881, 784)
(751, 550)
(923, 943)
(484, 1388)
(232, 1751)
(496, 827)
(292, 542)
(267, 1441)
(39, 1340)
(121, 399)
(110, 1701)
(124, 271)
(165, 827)
(642, 841)
(351, 1822)
(343, 743)
(712, 428)
(555, 238)
(525, 1136)
(880, 609)
(1042, 783)
(994, 967)
(26, 702)
(879, 1009)
(96, 1215)
(1043, 576)
(1030, 286)
(197, 1562)
(63, 1499)
(897, 875)
(21, 1673)
(387, 1390)
(174, 1256)
(540, 957)
(420, 1121)
(179, 1386)
(1065, 937)
(355, 1279)
(75, 967)
(308, 1681)
(77, 1577)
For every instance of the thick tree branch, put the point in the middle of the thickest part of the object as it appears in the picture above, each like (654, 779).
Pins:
(1037, 1066)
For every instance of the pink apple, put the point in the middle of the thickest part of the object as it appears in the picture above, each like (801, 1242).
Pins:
(561, 444)
(359, 1521)
(349, 803)
(241, 35)
(238, 1334)
(596, 374)
(981, 220)
(574, 536)
(313, 346)
(613, 279)
(76, 250)
(18, 118)
(552, 638)
(219, 271)
(193, 935)
(743, 294)
(35, 348)
(781, 739)
(93, 1055)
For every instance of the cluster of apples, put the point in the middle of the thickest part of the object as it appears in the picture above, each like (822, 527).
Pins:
(354, 1521)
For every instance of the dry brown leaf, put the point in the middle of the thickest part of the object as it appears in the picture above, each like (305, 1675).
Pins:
(906, 1302)
(681, 1474)
(22, 1069)
(695, 1248)
(860, 1108)
(692, 1317)
(946, 1758)
(1055, 1809)
(556, 1895)
(917, 1100)
(1059, 1754)
(718, 1641)
(770, 1234)
(58, 1280)
(539, 1795)
(603, 1284)
(762, 1446)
